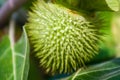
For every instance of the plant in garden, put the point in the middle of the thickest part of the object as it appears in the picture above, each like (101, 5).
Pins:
(68, 38)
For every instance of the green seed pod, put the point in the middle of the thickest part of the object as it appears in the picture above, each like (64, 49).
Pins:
(63, 40)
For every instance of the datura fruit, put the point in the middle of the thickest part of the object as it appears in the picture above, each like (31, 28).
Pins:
(62, 39)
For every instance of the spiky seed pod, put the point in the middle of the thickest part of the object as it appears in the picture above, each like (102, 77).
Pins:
(62, 40)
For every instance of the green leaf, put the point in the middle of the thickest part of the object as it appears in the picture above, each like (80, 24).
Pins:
(14, 60)
(116, 32)
(91, 5)
(109, 70)
(107, 47)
